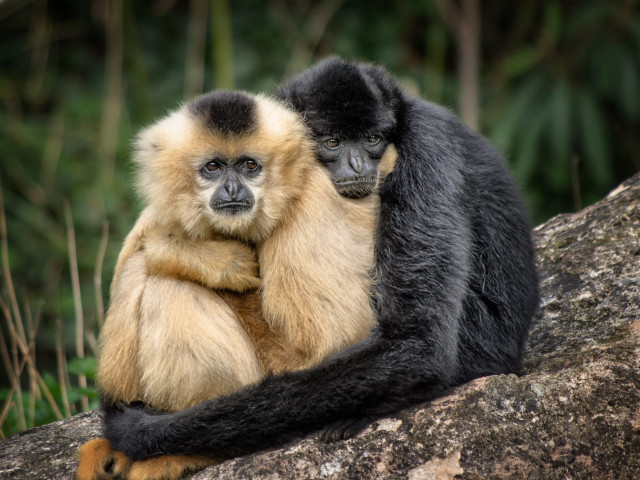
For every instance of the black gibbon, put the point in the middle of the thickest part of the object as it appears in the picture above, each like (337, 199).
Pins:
(222, 175)
(456, 283)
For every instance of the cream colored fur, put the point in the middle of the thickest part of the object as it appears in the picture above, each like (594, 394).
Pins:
(173, 343)
(171, 338)
(175, 333)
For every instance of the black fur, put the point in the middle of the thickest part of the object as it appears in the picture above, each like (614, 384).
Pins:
(457, 283)
(228, 113)
(345, 103)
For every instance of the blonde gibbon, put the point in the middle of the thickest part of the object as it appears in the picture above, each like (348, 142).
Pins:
(232, 188)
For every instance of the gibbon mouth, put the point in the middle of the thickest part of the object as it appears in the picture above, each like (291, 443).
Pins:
(356, 187)
(232, 208)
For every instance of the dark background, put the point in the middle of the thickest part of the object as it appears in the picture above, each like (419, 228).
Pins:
(554, 84)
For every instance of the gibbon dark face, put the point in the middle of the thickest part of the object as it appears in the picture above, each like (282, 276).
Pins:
(353, 163)
(233, 195)
(351, 120)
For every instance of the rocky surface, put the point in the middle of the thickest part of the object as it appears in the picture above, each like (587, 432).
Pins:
(573, 413)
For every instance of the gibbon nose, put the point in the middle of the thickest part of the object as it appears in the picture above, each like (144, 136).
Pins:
(232, 186)
(356, 161)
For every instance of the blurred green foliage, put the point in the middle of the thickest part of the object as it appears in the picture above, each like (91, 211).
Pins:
(567, 107)
(559, 83)
(39, 410)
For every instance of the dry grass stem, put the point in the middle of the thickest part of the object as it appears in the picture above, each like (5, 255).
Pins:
(77, 297)
(61, 368)
(97, 276)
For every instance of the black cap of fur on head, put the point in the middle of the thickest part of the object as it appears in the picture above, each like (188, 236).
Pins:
(348, 99)
(225, 112)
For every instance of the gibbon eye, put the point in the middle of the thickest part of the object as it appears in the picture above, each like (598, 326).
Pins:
(373, 139)
(211, 166)
(332, 142)
(250, 165)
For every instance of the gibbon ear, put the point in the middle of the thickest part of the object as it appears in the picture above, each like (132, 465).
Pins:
(155, 138)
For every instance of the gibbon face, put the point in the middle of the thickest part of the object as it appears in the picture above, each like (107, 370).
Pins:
(353, 122)
(225, 162)
(353, 162)
(230, 180)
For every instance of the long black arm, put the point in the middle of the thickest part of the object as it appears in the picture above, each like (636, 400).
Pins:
(365, 380)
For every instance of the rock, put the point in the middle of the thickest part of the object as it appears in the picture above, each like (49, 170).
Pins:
(573, 413)
(48, 452)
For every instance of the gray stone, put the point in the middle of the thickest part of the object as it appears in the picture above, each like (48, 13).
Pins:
(573, 413)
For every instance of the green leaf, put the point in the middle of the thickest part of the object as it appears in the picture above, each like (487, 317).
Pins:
(522, 61)
(49, 380)
(634, 33)
(84, 366)
(522, 101)
(589, 15)
(593, 136)
(529, 153)
(74, 394)
(603, 61)
(629, 92)
(553, 20)
(559, 125)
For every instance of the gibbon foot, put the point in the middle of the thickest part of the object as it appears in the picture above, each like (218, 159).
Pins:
(170, 467)
(344, 429)
(97, 461)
